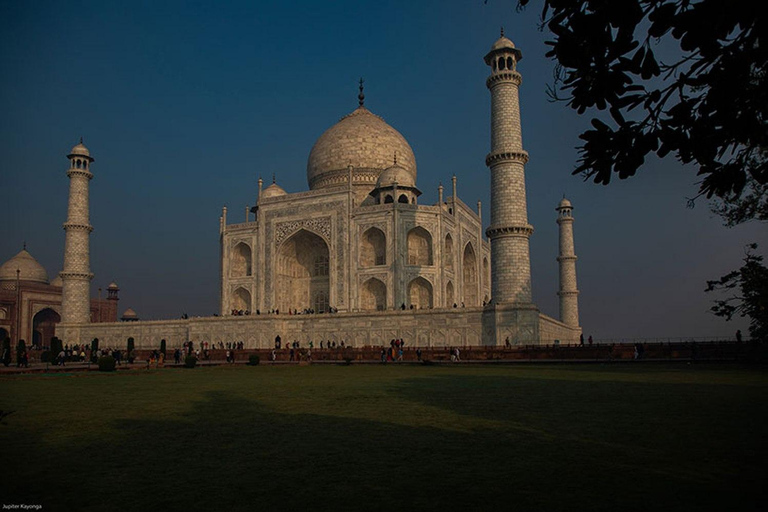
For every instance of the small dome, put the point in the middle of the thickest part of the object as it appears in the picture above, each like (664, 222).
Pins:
(274, 190)
(564, 203)
(130, 314)
(395, 174)
(360, 139)
(80, 150)
(57, 281)
(30, 269)
(113, 286)
(502, 43)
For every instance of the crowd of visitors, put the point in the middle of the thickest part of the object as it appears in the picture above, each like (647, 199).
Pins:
(294, 311)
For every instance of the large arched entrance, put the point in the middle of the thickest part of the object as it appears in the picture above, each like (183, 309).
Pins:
(303, 273)
(44, 326)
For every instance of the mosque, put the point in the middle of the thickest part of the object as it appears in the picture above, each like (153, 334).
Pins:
(357, 257)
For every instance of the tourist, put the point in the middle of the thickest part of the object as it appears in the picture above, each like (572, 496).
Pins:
(273, 355)
(738, 336)
(418, 354)
(581, 339)
(292, 354)
(62, 355)
(383, 355)
(458, 354)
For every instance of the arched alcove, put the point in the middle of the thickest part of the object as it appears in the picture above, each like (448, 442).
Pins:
(373, 295)
(469, 275)
(420, 293)
(449, 300)
(241, 260)
(373, 248)
(419, 247)
(448, 252)
(303, 273)
(241, 299)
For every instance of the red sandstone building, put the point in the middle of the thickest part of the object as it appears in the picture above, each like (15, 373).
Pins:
(30, 304)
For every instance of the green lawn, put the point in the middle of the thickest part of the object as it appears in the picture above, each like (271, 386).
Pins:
(588, 437)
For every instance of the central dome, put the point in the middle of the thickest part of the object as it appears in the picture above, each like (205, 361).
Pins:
(367, 143)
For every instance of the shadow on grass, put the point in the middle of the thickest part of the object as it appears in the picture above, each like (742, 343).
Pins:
(230, 453)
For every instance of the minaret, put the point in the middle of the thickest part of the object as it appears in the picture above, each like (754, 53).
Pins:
(509, 230)
(569, 294)
(76, 276)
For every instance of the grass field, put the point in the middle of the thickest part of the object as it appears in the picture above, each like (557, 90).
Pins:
(589, 437)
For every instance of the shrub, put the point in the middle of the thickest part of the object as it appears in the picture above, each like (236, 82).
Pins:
(56, 347)
(131, 345)
(190, 362)
(6, 351)
(45, 357)
(253, 359)
(107, 364)
(94, 349)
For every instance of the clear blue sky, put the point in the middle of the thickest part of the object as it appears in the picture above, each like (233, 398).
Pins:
(185, 104)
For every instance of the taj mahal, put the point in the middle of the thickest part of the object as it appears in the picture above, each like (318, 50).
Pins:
(358, 257)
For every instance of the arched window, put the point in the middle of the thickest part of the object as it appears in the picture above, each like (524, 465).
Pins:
(241, 260)
(388, 199)
(449, 300)
(448, 253)
(321, 265)
(510, 64)
(501, 63)
(419, 247)
(486, 272)
(402, 199)
(373, 248)
(321, 302)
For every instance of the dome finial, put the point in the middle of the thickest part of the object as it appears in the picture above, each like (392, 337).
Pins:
(273, 178)
(361, 96)
(81, 140)
(502, 31)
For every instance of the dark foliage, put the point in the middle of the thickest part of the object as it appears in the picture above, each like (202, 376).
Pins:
(131, 344)
(107, 364)
(190, 362)
(253, 360)
(708, 107)
(749, 288)
(6, 351)
(94, 349)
